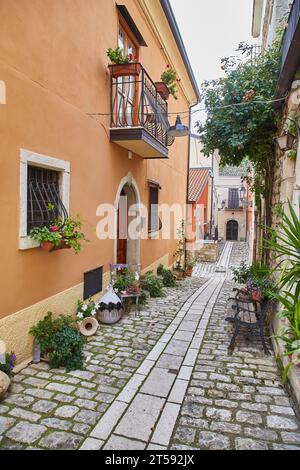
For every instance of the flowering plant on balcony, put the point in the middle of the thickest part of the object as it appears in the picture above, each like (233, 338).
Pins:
(60, 234)
(117, 57)
(170, 79)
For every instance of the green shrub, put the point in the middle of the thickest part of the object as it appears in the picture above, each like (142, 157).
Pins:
(153, 285)
(168, 278)
(160, 270)
(7, 364)
(59, 339)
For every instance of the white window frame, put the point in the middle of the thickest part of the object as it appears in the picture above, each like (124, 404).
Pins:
(31, 158)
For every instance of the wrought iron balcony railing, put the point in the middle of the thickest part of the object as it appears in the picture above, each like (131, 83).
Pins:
(138, 113)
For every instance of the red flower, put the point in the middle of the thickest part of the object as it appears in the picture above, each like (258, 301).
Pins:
(54, 228)
(168, 66)
(130, 57)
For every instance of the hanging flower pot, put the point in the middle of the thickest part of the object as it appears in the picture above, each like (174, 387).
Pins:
(162, 90)
(132, 69)
(88, 326)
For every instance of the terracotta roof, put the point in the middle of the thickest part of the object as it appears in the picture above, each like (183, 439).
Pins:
(198, 178)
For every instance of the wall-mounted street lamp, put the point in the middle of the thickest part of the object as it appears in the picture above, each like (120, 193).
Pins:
(179, 130)
(242, 193)
(223, 206)
(285, 141)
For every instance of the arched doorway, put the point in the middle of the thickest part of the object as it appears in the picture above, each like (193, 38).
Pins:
(127, 207)
(232, 230)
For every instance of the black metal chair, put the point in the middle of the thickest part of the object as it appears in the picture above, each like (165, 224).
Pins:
(248, 318)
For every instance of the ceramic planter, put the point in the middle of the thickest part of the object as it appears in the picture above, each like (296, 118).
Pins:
(4, 384)
(189, 272)
(88, 326)
(133, 69)
(162, 90)
(179, 273)
(109, 317)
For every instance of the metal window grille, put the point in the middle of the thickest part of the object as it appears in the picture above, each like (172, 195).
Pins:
(42, 190)
(233, 199)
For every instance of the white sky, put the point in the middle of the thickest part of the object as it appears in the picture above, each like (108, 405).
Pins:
(211, 30)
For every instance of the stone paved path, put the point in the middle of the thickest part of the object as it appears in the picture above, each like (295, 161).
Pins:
(160, 381)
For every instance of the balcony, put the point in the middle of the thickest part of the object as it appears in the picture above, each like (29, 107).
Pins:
(139, 116)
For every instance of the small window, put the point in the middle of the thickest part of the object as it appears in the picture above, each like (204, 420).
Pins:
(43, 180)
(42, 192)
(233, 198)
(154, 223)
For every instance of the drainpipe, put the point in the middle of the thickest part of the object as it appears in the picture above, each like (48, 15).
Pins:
(212, 197)
(188, 171)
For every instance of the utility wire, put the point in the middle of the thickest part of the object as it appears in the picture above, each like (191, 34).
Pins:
(183, 113)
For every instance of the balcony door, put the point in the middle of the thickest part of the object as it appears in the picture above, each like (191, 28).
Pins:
(127, 86)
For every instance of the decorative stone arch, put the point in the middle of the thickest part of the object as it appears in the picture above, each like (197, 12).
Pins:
(134, 198)
(232, 229)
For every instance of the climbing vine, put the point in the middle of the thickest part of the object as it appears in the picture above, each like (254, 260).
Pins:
(241, 121)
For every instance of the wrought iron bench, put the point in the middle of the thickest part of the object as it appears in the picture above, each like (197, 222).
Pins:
(248, 318)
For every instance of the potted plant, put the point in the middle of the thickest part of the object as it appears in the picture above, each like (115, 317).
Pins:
(7, 363)
(60, 234)
(179, 252)
(60, 341)
(122, 65)
(86, 313)
(168, 84)
(189, 265)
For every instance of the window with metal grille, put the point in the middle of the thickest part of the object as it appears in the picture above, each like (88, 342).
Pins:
(233, 198)
(42, 193)
(154, 222)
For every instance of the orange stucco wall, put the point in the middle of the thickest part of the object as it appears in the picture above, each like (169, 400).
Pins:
(53, 61)
(203, 200)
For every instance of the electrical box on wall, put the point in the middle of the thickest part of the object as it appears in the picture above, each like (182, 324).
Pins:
(93, 282)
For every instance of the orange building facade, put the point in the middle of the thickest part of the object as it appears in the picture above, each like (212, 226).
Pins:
(60, 115)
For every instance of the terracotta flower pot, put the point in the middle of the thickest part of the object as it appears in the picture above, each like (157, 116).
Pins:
(179, 273)
(4, 384)
(189, 272)
(133, 69)
(49, 247)
(162, 90)
(88, 326)
(257, 296)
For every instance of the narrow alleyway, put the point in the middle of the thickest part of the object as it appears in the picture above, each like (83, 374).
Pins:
(159, 381)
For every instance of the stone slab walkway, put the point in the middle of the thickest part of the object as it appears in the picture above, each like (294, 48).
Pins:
(160, 381)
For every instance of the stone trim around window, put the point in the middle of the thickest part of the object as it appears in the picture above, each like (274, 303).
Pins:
(31, 158)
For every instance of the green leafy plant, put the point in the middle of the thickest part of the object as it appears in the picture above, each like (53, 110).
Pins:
(86, 309)
(170, 79)
(66, 231)
(167, 276)
(123, 281)
(284, 243)
(59, 339)
(290, 334)
(117, 57)
(152, 284)
(7, 363)
(292, 154)
(241, 121)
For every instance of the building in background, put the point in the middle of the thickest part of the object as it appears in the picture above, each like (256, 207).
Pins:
(235, 204)
(69, 124)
